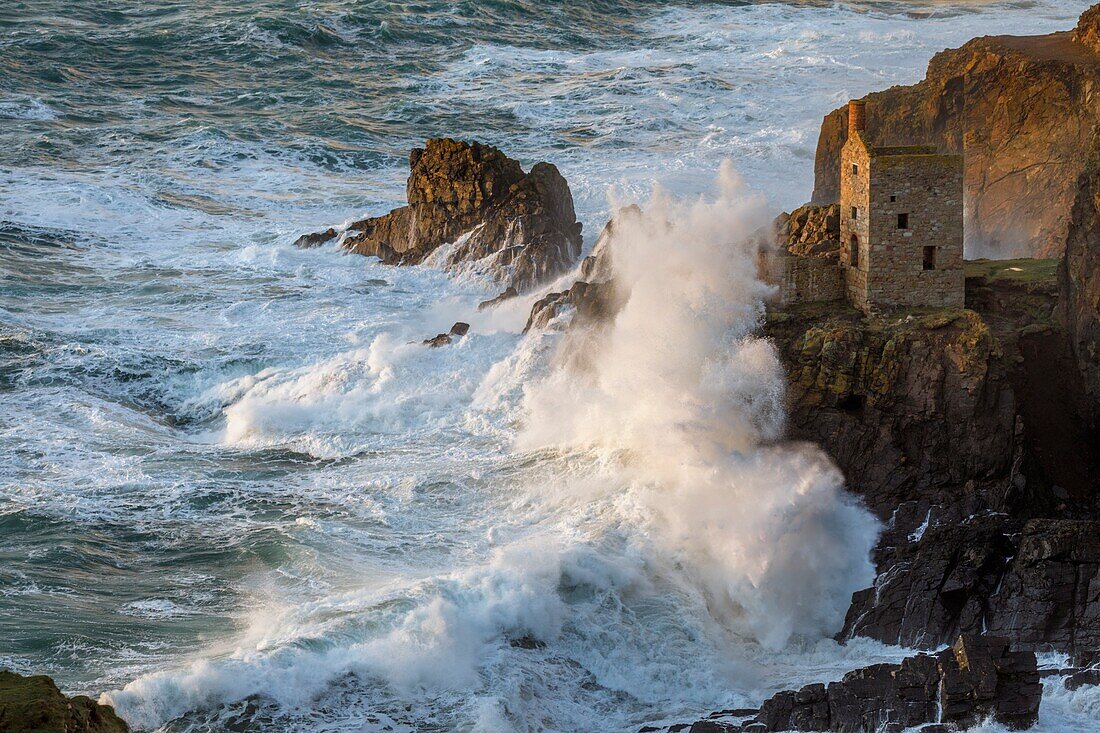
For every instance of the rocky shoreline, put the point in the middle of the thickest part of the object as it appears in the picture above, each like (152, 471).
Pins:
(973, 434)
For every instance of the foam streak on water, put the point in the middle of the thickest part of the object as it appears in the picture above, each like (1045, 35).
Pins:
(235, 495)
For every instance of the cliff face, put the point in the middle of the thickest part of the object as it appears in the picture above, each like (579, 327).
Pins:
(958, 428)
(1079, 285)
(1021, 110)
(908, 406)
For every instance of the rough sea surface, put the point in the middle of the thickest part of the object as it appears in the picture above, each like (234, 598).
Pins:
(234, 497)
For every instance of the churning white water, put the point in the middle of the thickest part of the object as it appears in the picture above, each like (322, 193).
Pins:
(241, 496)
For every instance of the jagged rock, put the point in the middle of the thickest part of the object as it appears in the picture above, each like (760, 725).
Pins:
(1037, 583)
(1085, 677)
(1022, 109)
(592, 302)
(508, 294)
(977, 678)
(907, 407)
(1087, 32)
(810, 230)
(1050, 596)
(520, 227)
(308, 241)
(597, 266)
(934, 583)
(458, 330)
(981, 677)
(36, 705)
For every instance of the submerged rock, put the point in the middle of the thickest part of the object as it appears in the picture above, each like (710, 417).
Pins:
(36, 705)
(458, 330)
(309, 241)
(517, 227)
(1022, 107)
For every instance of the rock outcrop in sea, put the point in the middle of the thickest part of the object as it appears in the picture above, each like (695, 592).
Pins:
(470, 205)
(593, 297)
(1021, 108)
(35, 705)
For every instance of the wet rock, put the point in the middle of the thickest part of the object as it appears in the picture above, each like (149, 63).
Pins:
(458, 330)
(981, 677)
(517, 227)
(442, 339)
(1050, 596)
(1036, 582)
(597, 267)
(977, 678)
(1023, 107)
(935, 581)
(591, 301)
(508, 294)
(713, 726)
(308, 241)
(36, 705)
(1077, 680)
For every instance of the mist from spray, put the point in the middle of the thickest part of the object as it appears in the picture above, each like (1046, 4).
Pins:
(688, 402)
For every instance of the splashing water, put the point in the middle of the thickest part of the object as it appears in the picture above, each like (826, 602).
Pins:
(682, 387)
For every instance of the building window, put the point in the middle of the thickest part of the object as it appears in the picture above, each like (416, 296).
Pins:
(893, 199)
(855, 213)
(855, 169)
(853, 251)
(903, 221)
(929, 258)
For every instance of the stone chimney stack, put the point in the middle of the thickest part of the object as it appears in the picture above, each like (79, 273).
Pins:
(857, 116)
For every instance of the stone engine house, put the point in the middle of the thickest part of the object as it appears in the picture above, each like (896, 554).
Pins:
(901, 230)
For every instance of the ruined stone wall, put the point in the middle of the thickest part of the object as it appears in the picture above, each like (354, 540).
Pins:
(855, 191)
(929, 189)
(805, 279)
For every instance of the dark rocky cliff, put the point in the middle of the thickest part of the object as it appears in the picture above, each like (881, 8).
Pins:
(997, 101)
(910, 405)
(1079, 283)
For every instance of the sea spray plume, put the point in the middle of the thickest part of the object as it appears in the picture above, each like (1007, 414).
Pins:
(690, 403)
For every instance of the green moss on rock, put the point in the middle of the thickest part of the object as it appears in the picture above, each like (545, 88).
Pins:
(36, 705)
